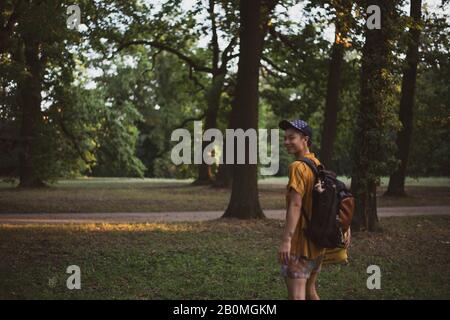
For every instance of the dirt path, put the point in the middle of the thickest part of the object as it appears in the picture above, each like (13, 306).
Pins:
(42, 218)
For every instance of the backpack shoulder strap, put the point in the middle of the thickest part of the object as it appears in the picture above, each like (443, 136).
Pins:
(311, 164)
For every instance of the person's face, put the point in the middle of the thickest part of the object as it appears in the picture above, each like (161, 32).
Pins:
(294, 141)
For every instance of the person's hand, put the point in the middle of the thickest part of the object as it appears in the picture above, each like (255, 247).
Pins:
(319, 187)
(348, 238)
(284, 252)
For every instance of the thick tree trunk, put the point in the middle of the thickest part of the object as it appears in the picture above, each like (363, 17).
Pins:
(29, 90)
(223, 176)
(244, 201)
(365, 216)
(332, 105)
(397, 180)
(367, 143)
(343, 10)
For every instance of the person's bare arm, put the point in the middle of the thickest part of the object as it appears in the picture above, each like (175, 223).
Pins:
(292, 217)
(292, 214)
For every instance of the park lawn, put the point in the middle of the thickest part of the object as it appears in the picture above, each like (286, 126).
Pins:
(157, 195)
(219, 259)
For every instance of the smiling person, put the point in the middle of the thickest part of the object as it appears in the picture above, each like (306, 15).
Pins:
(300, 258)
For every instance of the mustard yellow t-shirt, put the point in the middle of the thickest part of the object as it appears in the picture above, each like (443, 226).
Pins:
(301, 179)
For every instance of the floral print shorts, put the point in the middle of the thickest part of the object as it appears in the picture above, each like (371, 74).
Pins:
(300, 267)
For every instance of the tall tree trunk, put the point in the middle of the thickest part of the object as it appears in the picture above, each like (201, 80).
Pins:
(213, 103)
(368, 135)
(224, 175)
(29, 90)
(331, 105)
(212, 96)
(397, 180)
(343, 10)
(244, 201)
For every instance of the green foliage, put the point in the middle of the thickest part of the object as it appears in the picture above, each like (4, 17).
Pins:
(430, 153)
(120, 123)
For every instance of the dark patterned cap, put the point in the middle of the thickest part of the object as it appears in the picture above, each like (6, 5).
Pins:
(300, 125)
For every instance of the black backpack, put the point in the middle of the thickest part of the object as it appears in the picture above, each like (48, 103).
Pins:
(332, 209)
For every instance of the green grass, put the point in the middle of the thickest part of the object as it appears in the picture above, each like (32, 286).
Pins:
(218, 259)
(158, 195)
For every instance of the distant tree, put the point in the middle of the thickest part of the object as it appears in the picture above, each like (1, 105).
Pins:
(254, 16)
(175, 38)
(49, 125)
(396, 185)
(342, 22)
(431, 122)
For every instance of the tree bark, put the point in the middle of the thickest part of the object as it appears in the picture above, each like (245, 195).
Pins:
(244, 200)
(205, 176)
(396, 185)
(29, 95)
(343, 9)
(367, 143)
(331, 105)
(214, 93)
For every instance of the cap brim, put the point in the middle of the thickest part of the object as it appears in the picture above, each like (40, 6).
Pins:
(285, 124)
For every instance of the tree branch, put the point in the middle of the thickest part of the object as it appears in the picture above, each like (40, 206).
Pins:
(279, 69)
(186, 121)
(181, 125)
(195, 80)
(226, 57)
(194, 65)
(286, 41)
(154, 59)
(214, 41)
(266, 71)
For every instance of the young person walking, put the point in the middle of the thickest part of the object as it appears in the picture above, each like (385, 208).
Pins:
(300, 259)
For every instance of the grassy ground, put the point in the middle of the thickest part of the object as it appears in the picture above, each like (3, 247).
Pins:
(153, 195)
(214, 260)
